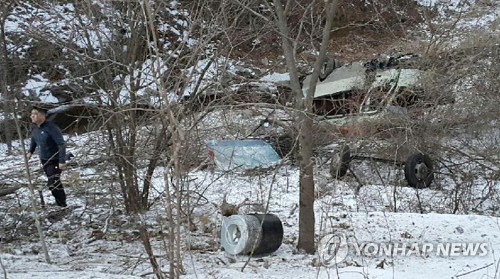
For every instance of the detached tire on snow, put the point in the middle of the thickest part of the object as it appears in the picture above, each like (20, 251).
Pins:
(340, 162)
(419, 171)
(260, 233)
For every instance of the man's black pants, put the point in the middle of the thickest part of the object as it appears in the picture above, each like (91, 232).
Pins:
(51, 169)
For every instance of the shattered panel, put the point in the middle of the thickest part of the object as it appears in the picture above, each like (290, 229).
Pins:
(242, 154)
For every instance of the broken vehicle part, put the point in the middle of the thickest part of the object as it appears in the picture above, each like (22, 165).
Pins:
(418, 168)
(241, 154)
(364, 87)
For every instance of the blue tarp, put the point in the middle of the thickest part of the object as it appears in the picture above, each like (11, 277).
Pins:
(242, 154)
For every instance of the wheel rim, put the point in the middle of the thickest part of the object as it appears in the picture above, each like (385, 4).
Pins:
(234, 234)
(421, 171)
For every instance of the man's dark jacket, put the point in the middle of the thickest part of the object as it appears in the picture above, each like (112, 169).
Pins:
(51, 142)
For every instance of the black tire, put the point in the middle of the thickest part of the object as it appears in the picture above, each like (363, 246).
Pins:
(419, 171)
(340, 162)
(328, 67)
(254, 234)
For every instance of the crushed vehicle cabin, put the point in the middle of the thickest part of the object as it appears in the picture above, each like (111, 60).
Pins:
(367, 87)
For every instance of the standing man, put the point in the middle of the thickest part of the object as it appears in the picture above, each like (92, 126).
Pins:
(49, 138)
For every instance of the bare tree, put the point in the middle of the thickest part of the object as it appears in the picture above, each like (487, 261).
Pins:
(304, 119)
(5, 65)
(112, 64)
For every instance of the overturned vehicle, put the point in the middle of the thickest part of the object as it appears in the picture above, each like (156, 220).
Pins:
(367, 87)
(362, 100)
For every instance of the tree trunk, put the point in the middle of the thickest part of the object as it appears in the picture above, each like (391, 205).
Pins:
(306, 200)
(305, 123)
(4, 79)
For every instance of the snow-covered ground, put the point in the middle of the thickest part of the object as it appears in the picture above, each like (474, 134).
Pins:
(78, 247)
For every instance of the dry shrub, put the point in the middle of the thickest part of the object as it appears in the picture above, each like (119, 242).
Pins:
(381, 15)
(468, 74)
(465, 132)
(360, 26)
(44, 56)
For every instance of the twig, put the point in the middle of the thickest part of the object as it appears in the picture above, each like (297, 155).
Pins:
(357, 180)
(106, 222)
(474, 270)
(3, 268)
(8, 191)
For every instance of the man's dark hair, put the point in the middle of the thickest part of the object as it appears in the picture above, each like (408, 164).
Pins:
(41, 110)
